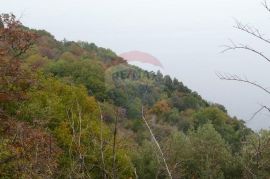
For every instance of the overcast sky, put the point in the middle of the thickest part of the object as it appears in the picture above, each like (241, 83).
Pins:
(185, 35)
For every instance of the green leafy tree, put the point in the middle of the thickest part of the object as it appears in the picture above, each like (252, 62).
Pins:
(147, 161)
(256, 155)
(211, 154)
(87, 72)
(178, 154)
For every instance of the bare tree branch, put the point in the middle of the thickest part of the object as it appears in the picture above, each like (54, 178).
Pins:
(258, 111)
(266, 5)
(237, 78)
(267, 108)
(258, 35)
(235, 46)
(255, 114)
(251, 30)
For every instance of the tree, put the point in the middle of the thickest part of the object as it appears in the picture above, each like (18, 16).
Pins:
(201, 153)
(27, 152)
(211, 154)
(256, 155)
(73, 118)
(14, 42)
(161, 107)
(177, 151)
(232, 130)
(87, 72)
(147, 161)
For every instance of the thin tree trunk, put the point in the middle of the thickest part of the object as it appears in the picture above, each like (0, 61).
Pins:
(104, 176)
(114, 145)
(101, 143)
(157, 144)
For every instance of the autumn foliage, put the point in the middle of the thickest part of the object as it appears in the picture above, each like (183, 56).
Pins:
(74, 110)
(15, 40)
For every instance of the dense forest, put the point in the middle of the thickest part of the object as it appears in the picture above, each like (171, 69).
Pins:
(74, 110)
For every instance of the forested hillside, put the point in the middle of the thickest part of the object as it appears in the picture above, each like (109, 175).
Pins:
(74, 110)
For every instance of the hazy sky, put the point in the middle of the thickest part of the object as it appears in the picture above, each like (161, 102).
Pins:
(185, 35)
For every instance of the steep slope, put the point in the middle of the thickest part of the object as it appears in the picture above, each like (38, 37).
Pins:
(86, 103)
